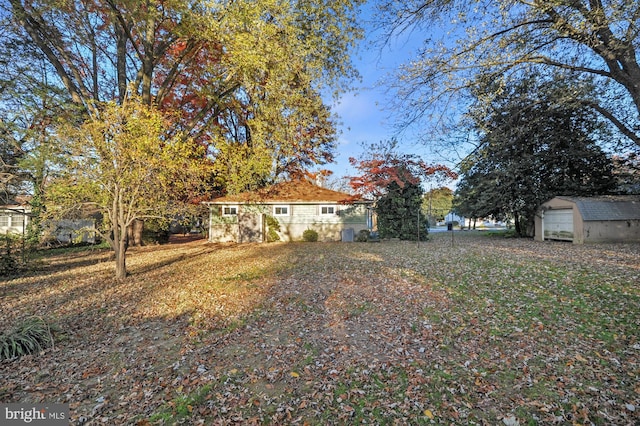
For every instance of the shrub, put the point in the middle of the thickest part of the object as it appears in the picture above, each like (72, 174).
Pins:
(155, 232)
(9, 262)
(310, 236)
(273, 226)
(363, 236)
(30, 336)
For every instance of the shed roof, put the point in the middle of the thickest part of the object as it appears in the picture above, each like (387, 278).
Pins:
(290, 192)
(607, 207)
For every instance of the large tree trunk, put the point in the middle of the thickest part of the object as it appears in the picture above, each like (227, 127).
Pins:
(121, 61)
(517, 224)
(121, 266)
(134, 233)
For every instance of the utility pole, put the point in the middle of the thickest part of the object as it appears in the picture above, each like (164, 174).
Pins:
(419, 207)
(452, 242)
(430, 196)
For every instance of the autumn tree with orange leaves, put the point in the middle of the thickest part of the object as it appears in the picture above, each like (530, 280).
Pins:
(242, 78)
(384, 164)
(395, 181)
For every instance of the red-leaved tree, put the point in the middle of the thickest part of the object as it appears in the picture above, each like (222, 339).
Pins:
(385, 165)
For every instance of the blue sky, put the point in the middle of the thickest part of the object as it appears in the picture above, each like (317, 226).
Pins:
(362, 112)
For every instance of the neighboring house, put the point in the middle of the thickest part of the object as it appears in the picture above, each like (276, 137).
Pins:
(454, 219)
(613, 218)
(296, 206)
(14, 217)
(73, 231)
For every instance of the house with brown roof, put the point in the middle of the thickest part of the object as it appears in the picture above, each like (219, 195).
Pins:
(287, 209)
(607, 218)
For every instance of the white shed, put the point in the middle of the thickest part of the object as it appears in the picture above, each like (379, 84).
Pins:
(611, 218)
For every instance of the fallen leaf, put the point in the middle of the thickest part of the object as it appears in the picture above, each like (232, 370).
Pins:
(581, 358)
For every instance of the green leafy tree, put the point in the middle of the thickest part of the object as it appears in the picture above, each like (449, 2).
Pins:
(14, 120)
(30, 104)
(243, 78)
(626, 169)
(10, 177)
(121, 165)
(436, 203)
(582, 39)
(285, 54)
(533, 146)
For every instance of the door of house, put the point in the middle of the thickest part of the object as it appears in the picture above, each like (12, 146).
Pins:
(250, 227)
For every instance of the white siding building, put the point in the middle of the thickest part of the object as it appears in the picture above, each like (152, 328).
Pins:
(296, 206)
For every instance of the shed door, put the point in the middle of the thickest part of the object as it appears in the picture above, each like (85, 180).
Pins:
(558, 224)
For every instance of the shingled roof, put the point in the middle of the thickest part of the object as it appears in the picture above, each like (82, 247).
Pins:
(17, 201)
(298, 191)
(607, 207)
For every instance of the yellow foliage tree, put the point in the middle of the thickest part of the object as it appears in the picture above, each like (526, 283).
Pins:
(121, 164)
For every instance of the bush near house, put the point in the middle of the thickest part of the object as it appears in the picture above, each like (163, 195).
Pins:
(310, 236)
(9, 255)
(273, 226)
(363, 236)
(155, 232)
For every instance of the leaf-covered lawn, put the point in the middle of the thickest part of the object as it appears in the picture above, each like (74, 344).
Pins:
(487, 331)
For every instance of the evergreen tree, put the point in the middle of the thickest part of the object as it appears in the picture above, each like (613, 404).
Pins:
(399, 210)
(534, 146)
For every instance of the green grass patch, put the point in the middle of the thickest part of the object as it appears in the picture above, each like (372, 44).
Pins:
(181, 407)
(74, 248)
(29, 336)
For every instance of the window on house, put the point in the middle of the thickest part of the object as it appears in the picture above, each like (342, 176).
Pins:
(327, 210)
(281, 210)
(17, 220)
(229, 210)
(4, 220)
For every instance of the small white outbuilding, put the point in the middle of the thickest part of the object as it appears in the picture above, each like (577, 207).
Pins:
(609, 218)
